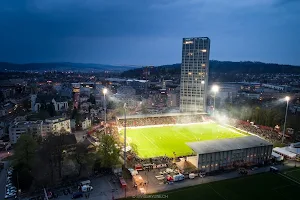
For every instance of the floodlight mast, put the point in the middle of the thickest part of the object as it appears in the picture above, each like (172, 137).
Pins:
(287, 98)
(125, 158)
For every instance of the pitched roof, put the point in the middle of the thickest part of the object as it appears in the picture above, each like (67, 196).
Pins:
(48, 98)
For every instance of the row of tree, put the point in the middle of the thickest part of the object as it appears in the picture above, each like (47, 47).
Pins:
(56, 158)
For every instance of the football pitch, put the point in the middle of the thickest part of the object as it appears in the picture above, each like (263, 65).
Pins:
(266, 186)
(164, 140)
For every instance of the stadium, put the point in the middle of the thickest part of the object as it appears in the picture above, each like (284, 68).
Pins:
(196, 138)
(156, 136)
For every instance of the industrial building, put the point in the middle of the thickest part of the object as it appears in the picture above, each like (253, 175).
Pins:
(194, 74)
(225, 154)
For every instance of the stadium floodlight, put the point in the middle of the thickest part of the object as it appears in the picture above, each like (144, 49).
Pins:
(104, 91)
(104, 102)
(287, 99)
(125, 157)
(215, 89)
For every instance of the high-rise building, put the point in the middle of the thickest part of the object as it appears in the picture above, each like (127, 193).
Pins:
(194, 74)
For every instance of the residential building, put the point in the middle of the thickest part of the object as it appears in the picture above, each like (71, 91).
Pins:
(56, 125)
(87, 123)
(194, 74)
(7, 108)
(24, 127)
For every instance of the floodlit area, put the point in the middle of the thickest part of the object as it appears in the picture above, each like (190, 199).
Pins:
(155, 141)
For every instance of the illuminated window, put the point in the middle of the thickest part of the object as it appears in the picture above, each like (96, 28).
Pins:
(188, 42)
(203, 166)
(190, 73)
(203, 65)
(190, 54)
(203, 50)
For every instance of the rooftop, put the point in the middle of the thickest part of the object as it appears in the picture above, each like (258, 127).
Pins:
(212, 146)
(28, 122)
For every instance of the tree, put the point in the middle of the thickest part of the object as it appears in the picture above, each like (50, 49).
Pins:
(92, 99)
(83, 158)
(24, 157)
(43, 114)
(134, 148)
(26, 104)
(108, 152)
(51, 109)
(25, 150)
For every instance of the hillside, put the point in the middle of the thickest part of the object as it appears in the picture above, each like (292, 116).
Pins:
(61, 66)
(222, 67)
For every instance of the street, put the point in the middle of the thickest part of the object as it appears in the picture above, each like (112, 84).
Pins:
(80, 135)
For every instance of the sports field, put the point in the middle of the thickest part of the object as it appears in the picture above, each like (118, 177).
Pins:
(294, 174)
(159, 141)
(266, 186)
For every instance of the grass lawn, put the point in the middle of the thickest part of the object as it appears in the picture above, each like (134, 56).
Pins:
(294, 173)
(158, 141)
(266, 186)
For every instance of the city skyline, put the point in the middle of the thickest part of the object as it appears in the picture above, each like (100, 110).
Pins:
(122, 33)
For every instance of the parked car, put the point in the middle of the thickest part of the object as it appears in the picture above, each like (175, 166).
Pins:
(77, 195)
(9, 196)
(86, 188)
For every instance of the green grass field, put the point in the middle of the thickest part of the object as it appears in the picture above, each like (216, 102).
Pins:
(265, 186)
(294, 174)
(261, 186)
(158, 141)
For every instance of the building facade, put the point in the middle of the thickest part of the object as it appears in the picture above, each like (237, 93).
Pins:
(24, 127)
(87, 123)
(230, 153)
(56, 125)
(194, 74)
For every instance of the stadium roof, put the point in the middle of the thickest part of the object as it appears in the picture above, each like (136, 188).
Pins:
(159, 115)
(212, 146)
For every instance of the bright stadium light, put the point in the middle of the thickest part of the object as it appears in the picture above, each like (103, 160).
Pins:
(215, 89)
(104, 102)
(287, 98)
(104, 91)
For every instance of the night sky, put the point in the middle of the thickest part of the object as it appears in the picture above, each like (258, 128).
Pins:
(147, 32)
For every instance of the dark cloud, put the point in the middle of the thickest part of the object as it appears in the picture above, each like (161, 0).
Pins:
(146, 31)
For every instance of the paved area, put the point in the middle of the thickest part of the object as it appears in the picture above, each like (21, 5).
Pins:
(3, 175)
(80, 135)
(104, 189)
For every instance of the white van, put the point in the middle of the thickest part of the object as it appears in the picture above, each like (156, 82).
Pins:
(87, 182)
(86, 188)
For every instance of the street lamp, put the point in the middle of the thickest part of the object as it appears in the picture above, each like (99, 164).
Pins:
(287, 98)
(125, 107)
(215, 89)
(104, 102)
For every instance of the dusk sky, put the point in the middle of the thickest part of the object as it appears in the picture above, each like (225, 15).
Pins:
(147, 32)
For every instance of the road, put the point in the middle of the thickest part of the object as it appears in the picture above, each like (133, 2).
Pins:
(80, 135)
(3, 180)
